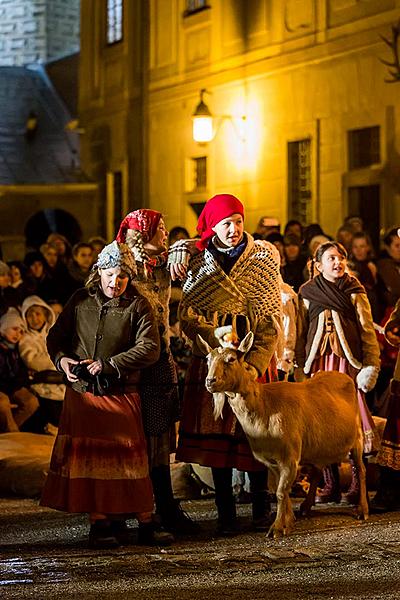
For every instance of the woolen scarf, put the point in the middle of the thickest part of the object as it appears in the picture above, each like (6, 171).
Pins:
(323, 294)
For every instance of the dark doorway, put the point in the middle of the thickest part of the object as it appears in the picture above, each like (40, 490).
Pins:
(51, 220)
(364, 201)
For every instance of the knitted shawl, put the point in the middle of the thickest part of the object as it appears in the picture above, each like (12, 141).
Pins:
(252, 286)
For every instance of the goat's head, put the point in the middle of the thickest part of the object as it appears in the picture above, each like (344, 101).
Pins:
(225, 365)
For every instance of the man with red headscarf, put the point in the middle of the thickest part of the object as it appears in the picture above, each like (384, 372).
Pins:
(232, 282)
(145, 233)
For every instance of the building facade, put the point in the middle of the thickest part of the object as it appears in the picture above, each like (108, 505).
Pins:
(305, 124)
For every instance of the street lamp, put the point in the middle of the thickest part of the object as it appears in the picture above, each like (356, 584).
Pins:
(202, 121)
(204, 128)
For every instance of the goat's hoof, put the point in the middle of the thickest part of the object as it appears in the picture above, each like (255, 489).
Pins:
(362, 516)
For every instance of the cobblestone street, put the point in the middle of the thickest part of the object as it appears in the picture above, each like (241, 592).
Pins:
(44, 555)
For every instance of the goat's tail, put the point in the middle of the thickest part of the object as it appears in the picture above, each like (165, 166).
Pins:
(219, 401)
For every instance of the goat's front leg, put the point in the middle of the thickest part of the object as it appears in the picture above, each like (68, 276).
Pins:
(284, 521)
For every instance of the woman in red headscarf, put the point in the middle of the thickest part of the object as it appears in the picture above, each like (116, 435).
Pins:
(145, 233)
(233, 282)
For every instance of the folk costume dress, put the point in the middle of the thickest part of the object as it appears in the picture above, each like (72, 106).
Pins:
(389, 451)
(159, 382)
(99, 462)
(336, 333)
(238, 286)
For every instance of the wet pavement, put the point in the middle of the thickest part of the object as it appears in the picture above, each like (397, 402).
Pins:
(44, 554)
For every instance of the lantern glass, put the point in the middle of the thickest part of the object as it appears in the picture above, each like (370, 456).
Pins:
(203, 129)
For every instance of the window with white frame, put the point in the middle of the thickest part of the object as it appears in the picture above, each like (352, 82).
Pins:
(115, 10)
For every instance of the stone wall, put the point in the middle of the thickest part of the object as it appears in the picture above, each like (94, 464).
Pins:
(37, 30)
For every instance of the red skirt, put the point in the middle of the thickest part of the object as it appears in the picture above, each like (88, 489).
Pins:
(99, 460)
(204, 440)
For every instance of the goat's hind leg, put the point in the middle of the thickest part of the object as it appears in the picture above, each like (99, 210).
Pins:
(308, 503)
(356, 454)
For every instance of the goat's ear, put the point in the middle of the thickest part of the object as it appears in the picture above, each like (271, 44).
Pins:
(203, 346)
(246, 343)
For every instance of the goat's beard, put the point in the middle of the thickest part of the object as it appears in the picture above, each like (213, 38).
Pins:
(219, 401)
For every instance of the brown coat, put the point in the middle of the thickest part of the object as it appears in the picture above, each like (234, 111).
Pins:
(121, 331)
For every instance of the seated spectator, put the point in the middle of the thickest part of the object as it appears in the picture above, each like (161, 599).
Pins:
(344, 236)
(97, 243)
(362, 266)
(9, 296)
(294, 227)
(266, 225)
(17, 403)
(388, 267)
(82, 260)
(276, 239)
(39, 317)
(43, 284)
(64, 284)
(177, 233)
(356, 223)
(295, 262)
(63, 247)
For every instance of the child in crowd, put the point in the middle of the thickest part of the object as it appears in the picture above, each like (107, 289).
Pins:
(336, 333)
(17, 403)
(39, 317)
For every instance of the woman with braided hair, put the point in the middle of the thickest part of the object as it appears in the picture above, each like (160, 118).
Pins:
(145, 233)
(232, 282)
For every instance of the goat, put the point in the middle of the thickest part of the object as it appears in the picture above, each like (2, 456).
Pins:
(315, 422)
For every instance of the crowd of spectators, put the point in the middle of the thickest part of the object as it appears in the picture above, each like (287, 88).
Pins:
(32, 294)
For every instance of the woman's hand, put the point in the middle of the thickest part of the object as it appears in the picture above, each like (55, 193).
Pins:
(94, 367)
(178, 271)
(65, 364)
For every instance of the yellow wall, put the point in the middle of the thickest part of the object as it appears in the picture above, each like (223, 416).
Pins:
(295, 68)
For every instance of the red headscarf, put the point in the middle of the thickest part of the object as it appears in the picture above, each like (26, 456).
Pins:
(144, 220)
(219, 207)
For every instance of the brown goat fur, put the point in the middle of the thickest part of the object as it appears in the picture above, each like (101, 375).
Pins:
(315, 422)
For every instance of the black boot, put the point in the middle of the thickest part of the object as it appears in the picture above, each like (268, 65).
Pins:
(352, 496)
(152, 534)
(260, 500)
(387, 497)
(225, 502)
(101, 535)
(331, 490)
(172, 516)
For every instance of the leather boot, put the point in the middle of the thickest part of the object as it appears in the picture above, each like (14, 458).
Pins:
(387, 497)
(225, 502)
(331, 490)
(172, 516)
(352, 496)
(260, 500)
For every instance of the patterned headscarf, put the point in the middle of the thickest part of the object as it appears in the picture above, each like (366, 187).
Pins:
(143, 220)
(138, 228)
(116, 255)
(219, 207)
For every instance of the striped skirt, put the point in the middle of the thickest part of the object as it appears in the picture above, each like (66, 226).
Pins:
(389, 452)
(99, 460)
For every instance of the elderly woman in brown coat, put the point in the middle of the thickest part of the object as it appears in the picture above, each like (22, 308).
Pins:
(103, 338)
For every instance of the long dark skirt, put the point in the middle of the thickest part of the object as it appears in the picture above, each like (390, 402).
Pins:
(389, 451)
(99, 461)
(204, 440)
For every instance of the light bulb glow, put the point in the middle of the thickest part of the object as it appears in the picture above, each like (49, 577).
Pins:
(203, 129)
